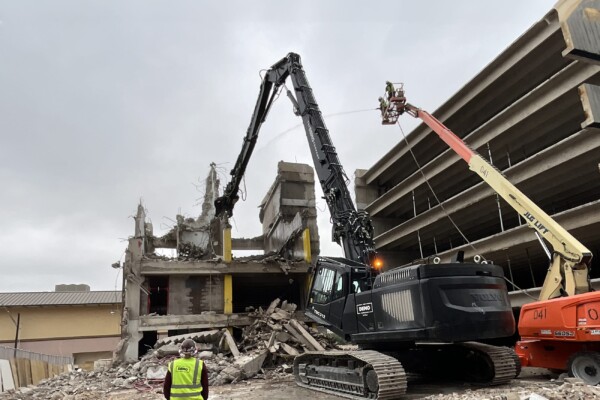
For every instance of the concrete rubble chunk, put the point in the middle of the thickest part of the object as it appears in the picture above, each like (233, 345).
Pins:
(157, 372)
(206, 355)
(250, 365)
(168, 350)
(282, 336)
(316, 345)
(272, 307)
(289, 349)
(281, 315)
(535, 396)
(231, 343)
(271, 341)
(199, 337)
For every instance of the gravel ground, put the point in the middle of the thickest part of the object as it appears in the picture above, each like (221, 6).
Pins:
(533, 384)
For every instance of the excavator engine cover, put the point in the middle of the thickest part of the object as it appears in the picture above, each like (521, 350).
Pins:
(440, 302)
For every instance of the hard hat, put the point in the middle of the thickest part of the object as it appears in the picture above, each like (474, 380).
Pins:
(188, 347)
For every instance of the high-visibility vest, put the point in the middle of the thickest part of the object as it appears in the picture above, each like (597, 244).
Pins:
(186, 378)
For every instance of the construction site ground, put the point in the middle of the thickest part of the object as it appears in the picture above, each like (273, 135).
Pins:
(533, 384)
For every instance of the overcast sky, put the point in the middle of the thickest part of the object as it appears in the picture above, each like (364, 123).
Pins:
(104, 103)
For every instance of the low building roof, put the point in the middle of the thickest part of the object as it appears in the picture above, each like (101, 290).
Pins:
(25, 299)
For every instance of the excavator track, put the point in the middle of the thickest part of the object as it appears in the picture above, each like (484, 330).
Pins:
(469, 362)
(502, 361)
(362, 374)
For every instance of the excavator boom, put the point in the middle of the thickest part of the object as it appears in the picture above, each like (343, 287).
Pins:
(351, 228)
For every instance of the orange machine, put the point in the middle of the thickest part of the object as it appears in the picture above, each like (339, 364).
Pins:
(560, 331)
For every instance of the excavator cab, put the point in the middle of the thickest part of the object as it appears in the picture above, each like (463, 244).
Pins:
(332, 297)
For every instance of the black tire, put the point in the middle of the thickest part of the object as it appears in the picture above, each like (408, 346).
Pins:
(586, 366)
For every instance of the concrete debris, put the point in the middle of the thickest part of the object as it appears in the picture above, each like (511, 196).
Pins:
(157, 372)
(230, 344)
(199, 337)
(273, 339)
(284, 336)
(265, 350)
(168, 350)
(570, 389)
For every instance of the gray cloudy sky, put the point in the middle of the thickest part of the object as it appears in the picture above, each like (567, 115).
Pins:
(104, 103)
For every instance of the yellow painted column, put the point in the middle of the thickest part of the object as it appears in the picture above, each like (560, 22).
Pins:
(306, 242)
(227, 294)
(308, 283)
(227, 243)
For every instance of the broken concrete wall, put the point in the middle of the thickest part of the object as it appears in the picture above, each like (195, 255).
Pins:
(189, 292)
(180, 301)
(195, 294)
(206, 292)
(193, 238)
(289, 208)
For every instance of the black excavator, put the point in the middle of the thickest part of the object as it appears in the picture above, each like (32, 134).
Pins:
(423, 319)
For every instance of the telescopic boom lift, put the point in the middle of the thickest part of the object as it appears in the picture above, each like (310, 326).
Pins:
(560, 331)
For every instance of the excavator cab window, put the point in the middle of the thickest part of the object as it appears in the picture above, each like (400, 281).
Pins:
(338, 287)
(323, 286)
(360, 281)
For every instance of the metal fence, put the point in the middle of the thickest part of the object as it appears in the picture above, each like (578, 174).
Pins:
(7, 353)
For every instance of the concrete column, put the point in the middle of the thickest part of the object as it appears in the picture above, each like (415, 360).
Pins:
(132, 281)
(131, 347)
(306, 243)
(227, 294)
(365, 194)
(131, 311)
(227, 243)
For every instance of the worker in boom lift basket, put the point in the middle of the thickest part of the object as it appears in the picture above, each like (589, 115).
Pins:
(383, 105)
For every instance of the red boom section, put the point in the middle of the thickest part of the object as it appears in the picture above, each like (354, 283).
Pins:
(447, 136)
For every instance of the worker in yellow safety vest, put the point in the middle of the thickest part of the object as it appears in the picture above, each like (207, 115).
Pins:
(187, 377)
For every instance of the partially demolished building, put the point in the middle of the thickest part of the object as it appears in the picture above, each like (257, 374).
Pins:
(204, 286)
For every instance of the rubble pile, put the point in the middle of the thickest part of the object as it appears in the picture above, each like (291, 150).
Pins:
(80, 384)
(569, 389)
(271, 342)
(284, 336)
(267, 349)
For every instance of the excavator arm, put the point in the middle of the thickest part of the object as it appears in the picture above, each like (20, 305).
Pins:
(351, 228)
(568, 273)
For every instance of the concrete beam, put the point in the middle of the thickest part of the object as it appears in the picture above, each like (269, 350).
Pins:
(574, 146)
(590, 98)
(167, 267)
(530, 59)
(524, 236)
(580, 24)
(519, 298)
(255, 243)
(202, 321)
